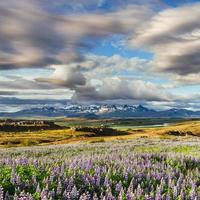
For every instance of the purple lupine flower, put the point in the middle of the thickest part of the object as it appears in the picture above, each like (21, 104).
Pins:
(15, 197)
(118, 186)
(148, 197)
(34, 181)
(175, 192)
(97, 179)
(108, 194)
(22, 194)
(74, 193)
(84, 197)
(139, 191)
(158, 195)
(193, 194)
(168, 197)
(70, 184)
(121, 194)
(126, 176)
(52, 194)
(38, 190)
(44, 197)
(7, 196)
(59, 189)
(181, 194)
(129, 194)
(106, 181)
(1, 193)
(95, 197)
(44, 194)
(101, 172)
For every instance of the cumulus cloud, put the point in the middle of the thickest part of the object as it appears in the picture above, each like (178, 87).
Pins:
(65, 76)
(94, 79)
(116, 88)
(173, 35)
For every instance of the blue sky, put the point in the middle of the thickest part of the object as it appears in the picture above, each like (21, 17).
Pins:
(95, 51)
(179, 2)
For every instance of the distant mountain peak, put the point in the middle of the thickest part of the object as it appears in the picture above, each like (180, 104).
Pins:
(101, 111)
(141, 107)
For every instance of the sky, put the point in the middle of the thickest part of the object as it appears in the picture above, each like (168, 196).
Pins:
(100, 51)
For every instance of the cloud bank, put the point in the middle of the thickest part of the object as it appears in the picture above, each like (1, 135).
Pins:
(173, 35)
(116, 88)
(36, 34)
(32, 37)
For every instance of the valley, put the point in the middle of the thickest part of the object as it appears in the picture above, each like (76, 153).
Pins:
(79, 130)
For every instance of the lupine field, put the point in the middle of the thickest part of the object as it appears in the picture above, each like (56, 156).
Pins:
(140, 169)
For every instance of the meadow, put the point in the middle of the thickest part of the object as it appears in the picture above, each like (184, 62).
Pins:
(152, 163)
(138, 169)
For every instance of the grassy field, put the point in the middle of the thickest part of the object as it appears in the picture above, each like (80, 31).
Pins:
(154, 163)
(183, 129)
(132, 169)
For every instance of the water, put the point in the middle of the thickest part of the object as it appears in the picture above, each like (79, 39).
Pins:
(142, 126)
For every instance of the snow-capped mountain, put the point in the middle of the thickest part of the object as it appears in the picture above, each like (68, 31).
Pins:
(101, 111)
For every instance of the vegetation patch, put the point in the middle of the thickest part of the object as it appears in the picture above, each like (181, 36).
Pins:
(133, 169)
(101, 131)
(179, 133)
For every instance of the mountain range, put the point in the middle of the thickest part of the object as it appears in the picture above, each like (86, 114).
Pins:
(101, 111)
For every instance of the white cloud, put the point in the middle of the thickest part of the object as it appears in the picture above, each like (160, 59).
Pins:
(95, 66)
(116, 88)
(95, 79)
(65, 76)
(173, 36)
(33, 37)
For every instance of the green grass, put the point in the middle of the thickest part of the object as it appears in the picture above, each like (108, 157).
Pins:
(192, 150)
